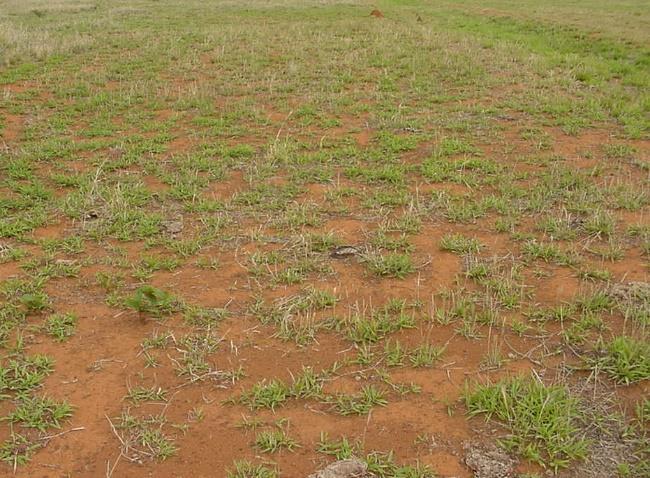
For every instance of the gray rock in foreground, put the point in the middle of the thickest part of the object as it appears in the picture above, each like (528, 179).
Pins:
(489, 462)
(344, 469)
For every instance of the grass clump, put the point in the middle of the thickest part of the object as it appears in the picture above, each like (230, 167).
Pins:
(390, 265)
(150, 300)
(24, 373)
(360, 403)
(460, 244)
(266, 395)
(246, 469)
(40, 413)
(61, 326)
(624, 359)
(543, 420)
(274, 440)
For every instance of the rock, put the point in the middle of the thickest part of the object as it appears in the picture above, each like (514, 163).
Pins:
(173, 227)
(344, 469)
(91, 215)
(632, 291)
(489, 462)
(342, 252)
(65, 262)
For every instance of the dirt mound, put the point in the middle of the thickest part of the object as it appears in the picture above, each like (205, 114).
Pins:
(376, 13)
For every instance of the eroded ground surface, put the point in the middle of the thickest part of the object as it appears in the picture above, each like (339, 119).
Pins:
(250, 240)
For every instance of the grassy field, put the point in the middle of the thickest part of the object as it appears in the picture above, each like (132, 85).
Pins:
(246, 239)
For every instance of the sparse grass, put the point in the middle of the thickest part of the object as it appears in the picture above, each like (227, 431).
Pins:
(144, 437)
(360, 403)
(340, 450)
(210, 176)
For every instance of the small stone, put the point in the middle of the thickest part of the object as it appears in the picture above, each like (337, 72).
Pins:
(173, 227)
(489, 462)
(342, 252)
(344, 469)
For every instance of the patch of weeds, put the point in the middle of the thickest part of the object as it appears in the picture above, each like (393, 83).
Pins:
(40, 413)
(619, 151)
(272, 441)
(307, 385)
(247, 469)
(18, 449)
(110, 282)
(36, 301)
(10, 253)
(383, 465)
(381, 240)
(340, 450)
(387, 197)
(612, 250)
(394, 353)
(61, 326)
(150, 300)
(367, 329)
(390, 265)
(558, 228)
(158, 263)
(193, 363)
(408, 223)
(595, 302)
(625, 359)
(543, 420)
(299, 216)
(203, 317)
(460, 244)
(599, 224)
(68, 245)
(603, 275)
(266, 395)
(156, 341)
(548, 252)
(321, 242)
(560, 313)
(426, 355)
(144, 437)
(457, 209)
(451, 146)
(147, 394)
(24, 373)
(360, 403)
(389, 174)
